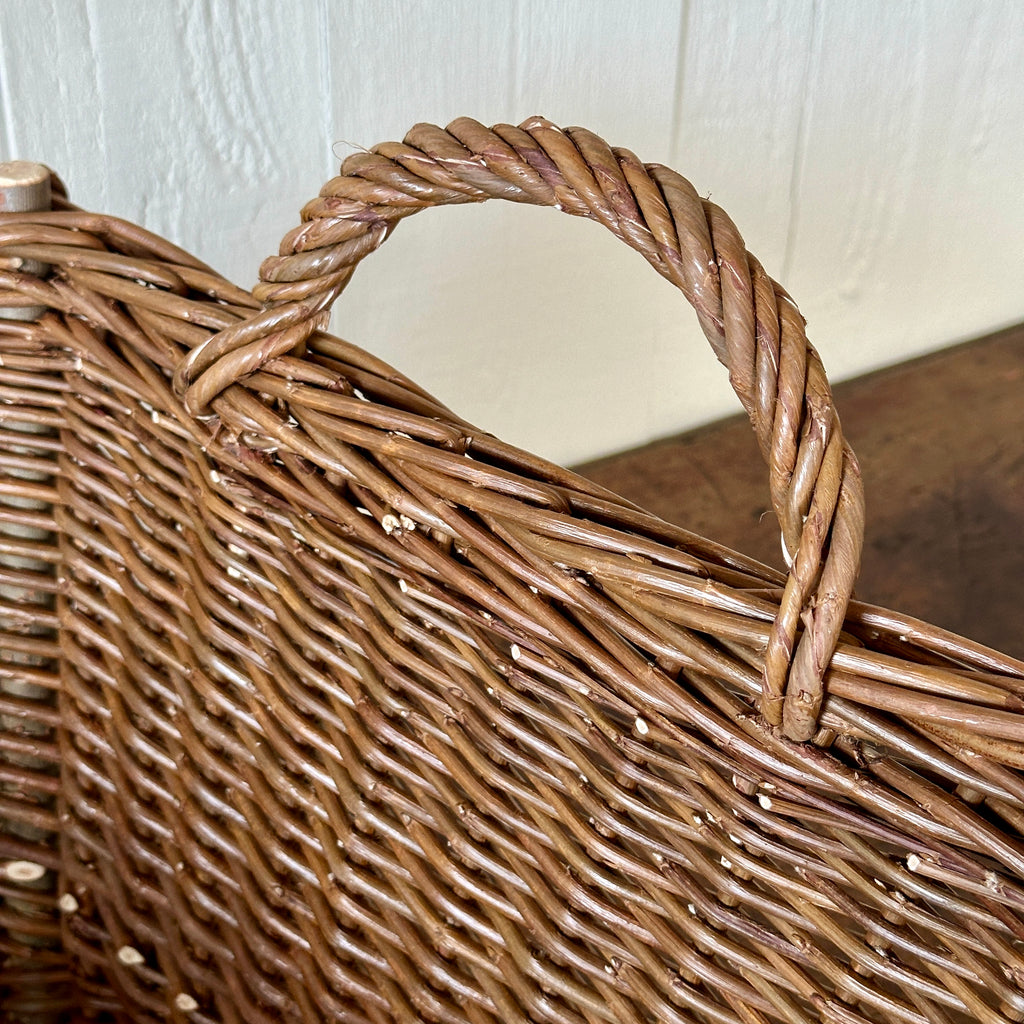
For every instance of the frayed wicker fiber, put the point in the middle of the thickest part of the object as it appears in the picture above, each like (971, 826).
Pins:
(319, 704)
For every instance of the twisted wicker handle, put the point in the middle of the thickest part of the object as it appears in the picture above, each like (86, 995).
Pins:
(752, 324)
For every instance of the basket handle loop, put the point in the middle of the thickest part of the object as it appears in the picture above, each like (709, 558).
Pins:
(753, 326)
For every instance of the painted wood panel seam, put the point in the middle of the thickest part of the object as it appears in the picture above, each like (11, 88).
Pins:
(800, 148)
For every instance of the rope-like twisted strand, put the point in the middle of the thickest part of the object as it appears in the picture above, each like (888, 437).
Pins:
(753, 326)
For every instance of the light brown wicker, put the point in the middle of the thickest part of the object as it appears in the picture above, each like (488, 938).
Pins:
(318, 703)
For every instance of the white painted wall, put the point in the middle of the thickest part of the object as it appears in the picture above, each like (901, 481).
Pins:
(871, 152)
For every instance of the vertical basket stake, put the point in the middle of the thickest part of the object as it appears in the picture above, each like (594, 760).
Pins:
(24, 188)
(25, 441)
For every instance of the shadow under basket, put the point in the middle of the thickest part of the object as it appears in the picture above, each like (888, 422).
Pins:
(319, 704)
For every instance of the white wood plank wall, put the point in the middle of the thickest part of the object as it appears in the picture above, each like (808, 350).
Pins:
(872, 154)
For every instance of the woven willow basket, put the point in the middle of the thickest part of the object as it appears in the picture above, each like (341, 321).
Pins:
(320, 704)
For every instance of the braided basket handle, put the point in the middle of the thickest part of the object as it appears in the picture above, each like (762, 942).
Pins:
(753, 326)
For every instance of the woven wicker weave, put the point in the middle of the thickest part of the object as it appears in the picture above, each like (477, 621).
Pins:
(317, 703)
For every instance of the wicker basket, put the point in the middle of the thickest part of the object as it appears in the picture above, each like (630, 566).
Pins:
(319, 704)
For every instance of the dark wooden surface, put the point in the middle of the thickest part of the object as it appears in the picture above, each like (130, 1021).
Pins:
(941, 444)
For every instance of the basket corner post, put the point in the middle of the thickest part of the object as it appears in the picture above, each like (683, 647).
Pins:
(34, 980)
